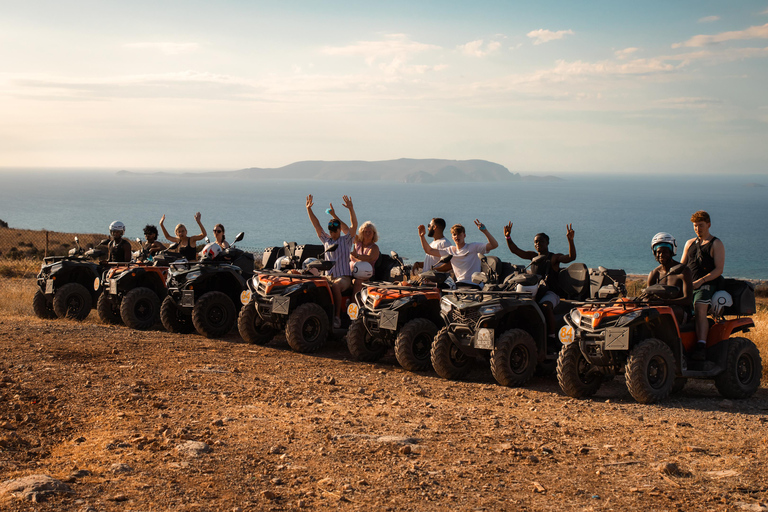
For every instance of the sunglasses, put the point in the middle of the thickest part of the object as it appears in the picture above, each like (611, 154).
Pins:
(217, 231)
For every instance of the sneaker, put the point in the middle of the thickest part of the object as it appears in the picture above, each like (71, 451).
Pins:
(337, 323)
(699, 352)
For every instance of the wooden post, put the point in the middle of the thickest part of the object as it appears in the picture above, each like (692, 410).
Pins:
(45, 254)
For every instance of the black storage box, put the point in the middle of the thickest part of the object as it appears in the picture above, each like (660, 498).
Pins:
(245, 262)
(597, 280)
(308, 251)
(270, 255)
(743, 294)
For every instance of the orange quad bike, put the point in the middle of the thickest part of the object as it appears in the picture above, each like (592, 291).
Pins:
(643, 339)
(403, 316)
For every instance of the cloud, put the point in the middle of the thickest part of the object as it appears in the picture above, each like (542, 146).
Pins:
(626, 52)
(475, 48)
(394, 46)
(688, 102)
(544, 36)
(708, 19)
(166, 48)
(756, 32)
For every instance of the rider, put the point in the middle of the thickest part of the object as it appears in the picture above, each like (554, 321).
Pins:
(340, 274)
(119, 249)
(218, 232)
(705, 256)
(466, 256)
(547, 267)
(153, 246)
(664, 247)
(186, 244)
(435, 230)
(365, 250)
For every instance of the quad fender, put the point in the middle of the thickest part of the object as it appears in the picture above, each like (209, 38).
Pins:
(723, 330)
(319, 295)
(84, 274)
(141, 277)
(228, 283)
(529, 318)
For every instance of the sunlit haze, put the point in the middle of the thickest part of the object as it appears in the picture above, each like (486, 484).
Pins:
(539, 87)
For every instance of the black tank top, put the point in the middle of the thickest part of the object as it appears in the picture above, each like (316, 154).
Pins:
(700, 259)
(547, 273)
(188, 251)
(117, 251)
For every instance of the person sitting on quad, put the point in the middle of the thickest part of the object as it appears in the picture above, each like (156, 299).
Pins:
(435, 230)
(153, 246)
(218, 233)
(118, 248)
(705, 256)
(664, 247)
(366, 251)
(340, 275)
(466, 256)
(548, 268)
(187, 245)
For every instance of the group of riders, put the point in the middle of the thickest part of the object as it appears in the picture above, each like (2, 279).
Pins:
(702, 259)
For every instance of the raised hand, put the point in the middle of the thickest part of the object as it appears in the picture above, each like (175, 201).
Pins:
(508, 229)
(331, 211)
(569, 231)
(347, 202)
(479, 225)
(197, 216)
(422, 230)
(162, 219)
(310, 202)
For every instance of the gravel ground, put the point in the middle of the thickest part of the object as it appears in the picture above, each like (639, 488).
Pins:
(128, 420)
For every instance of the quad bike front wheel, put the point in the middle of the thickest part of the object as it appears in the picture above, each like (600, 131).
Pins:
(650, 371)
(514, 358)
(577, 378)
(109, 312)
(72, 301)
(362, 345)
(42, 307)
(447, 359)
(140, 308)
(743, 369)
(251, 326)
(173, 318)
(307, 328)
(214, 314)
(414, 343)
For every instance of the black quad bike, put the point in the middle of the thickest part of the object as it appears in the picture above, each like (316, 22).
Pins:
(505, 323)
(401, 316)
(205, 295)
(68, 286)
(132, 292)
(643, 339)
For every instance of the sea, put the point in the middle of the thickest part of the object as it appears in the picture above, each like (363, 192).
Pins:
(614, 216)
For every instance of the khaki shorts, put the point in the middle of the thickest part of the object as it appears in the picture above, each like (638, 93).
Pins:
(345, 281)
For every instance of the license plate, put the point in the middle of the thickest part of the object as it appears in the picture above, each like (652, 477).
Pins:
(49, 286)
(281, 305)
(485, 339)
(388, 320)
(353, 310)
(113, 286)
(188, 298)
(565, 334)
(616, 338)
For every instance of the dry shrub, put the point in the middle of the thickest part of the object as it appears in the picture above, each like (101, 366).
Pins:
(759, 335)
(26, 267)
(16, 296)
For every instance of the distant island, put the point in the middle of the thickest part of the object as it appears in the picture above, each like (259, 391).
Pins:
(408, 170)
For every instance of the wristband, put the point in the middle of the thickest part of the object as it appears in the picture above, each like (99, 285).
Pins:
(482, 227)
(508, 237)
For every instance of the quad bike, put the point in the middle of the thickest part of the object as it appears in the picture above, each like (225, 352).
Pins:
(505, 323)
(293, 296)
(643, 339)
(132, 292)
(68, 286)
(205, 295)
(402, 316)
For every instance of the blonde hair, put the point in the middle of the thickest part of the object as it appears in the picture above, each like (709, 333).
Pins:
(179, 226)
(359, 238)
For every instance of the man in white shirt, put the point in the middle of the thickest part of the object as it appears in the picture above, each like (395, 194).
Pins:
(466, 256)
(435, 231)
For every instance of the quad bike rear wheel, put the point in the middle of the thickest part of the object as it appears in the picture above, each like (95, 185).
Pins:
(447, 359)
(140, 308)
(251, 326)
(577, 378)
(173, 318)
(42, 307)
(307, 328)
(414, 343)
(362, 345)
(109, 312)
(743, 369)
(650, 371)
(514, 358)
(214, 314)
(72, 301)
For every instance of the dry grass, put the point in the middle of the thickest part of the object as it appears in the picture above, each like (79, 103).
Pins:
(16, 296)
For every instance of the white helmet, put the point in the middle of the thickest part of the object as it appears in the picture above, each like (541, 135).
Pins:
(210, 251)
(285, 261)
(720, 299)
(664, 239)
(117, 226)
(307, 262)
(362, 270)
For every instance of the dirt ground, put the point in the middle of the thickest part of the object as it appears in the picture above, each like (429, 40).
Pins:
(119, 416)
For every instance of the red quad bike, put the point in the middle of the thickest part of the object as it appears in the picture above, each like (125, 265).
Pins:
(643, 339)
(402, 316)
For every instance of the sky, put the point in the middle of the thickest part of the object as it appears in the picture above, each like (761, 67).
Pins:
(541, 87)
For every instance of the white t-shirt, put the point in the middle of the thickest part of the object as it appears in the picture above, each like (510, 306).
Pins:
(441, 244)
(466, 261)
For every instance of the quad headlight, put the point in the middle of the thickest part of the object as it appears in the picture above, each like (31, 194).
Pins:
(364, 295)
(193, 275)
(575, 316)
(445, 305)
(291, 289)
(401, 302)
(625, 319)
(490, 309)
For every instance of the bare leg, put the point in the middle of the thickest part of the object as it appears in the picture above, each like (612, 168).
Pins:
(337, 298)
(549, 316)
(702, 323)
(357, 286)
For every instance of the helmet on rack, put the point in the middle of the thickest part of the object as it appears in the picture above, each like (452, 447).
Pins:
(664, 240)
(306, 266)
(283, 262)
(210, 251)
(117, 226)
(362, 270)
